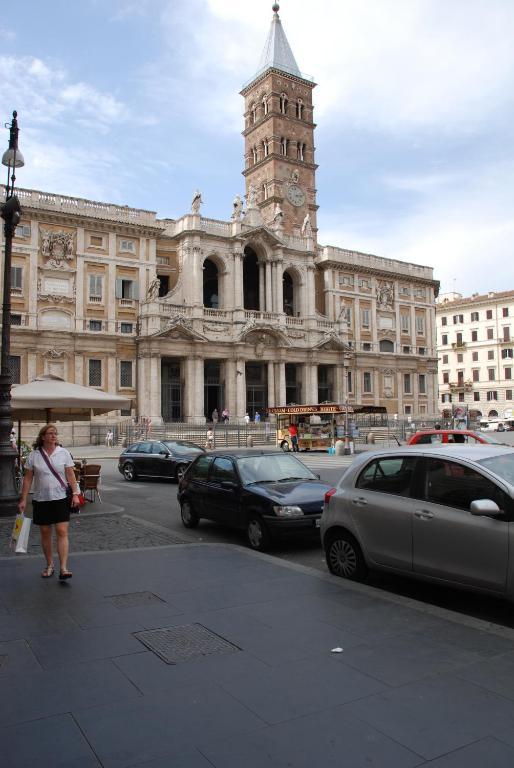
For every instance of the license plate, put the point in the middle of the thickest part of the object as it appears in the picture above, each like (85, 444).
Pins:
(317, 522)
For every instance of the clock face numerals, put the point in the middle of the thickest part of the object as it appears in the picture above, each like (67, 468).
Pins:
(295, 195)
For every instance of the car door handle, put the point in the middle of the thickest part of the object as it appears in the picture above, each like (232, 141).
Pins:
(423, 515)
(360, 501)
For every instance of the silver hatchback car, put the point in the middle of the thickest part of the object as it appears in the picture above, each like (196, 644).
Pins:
(442, 514)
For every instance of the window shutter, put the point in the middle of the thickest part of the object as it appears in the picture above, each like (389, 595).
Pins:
(119, 288)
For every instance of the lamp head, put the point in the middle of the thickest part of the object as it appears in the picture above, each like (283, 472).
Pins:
(12, 157)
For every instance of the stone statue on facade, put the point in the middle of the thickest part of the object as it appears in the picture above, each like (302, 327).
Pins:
(251, 197)
(196, 202)
(153, 289)
(306, 227)
(57, 248)
(237, 207)
(278, 218)
(385, 295)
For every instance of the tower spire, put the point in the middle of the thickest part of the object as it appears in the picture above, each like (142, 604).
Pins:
(277, 53)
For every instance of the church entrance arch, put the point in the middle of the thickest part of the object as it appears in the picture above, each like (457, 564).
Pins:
(250, 280)
(256, 389)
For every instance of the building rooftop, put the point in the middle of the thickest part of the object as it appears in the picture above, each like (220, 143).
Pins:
(443, 304)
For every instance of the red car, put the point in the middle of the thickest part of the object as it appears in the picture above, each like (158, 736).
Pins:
(451, 436)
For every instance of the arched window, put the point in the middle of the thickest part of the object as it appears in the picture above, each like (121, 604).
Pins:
(299, 109)
(250, 279)
(493, 414)
(300, 151)
(265, 147)
(265, 105)
(283, 146)
(283, 103)
(386, 345)
(288, 294)
(254, 155)
(210, 285)
(254, 113)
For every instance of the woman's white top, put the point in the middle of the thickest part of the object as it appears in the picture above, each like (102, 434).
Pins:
(45, 486)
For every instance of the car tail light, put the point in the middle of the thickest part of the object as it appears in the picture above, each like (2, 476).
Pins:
(329, 494)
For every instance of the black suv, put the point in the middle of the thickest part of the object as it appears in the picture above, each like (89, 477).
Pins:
(157, 458)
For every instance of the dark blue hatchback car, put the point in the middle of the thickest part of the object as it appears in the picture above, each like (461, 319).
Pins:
(265, 493)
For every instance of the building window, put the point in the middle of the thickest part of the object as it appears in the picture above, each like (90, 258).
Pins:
(283, 146)
(505, 312)
(365, 318)
(300, 151)
(459, 339)
(366, 346)
(128, 245)
(475, 317)
(126, 289)
(460, 378)
(474, 335)
(95, 288)
(474, 357)
(15, 367)
(490, 354)
(476, 397)
(253, 110)
(444, 339)
(15, 319)
(506, 333)
(96, 241)
(265, 147)
(461, 397)
(95, 325)
(126, 373)
(283, 104)
(476, 374)
(508, 394)
(489, 314)
(406, 350)
(16, 278)
(507, 353)
(407, 383)
(446, 398)
(458, 319)
(420, 325)
(444, 320)
(491, 374)
(299, 109)
(492, 395)
(126, 327)
(445, 359)
(460, 357)
(23, 230)
(349, 380)
(405, 323)
(422, 384)
(254, 155)
(265, 106)
(364, 284)
(508, 373)
(422, 350)
(95, 373)
(346, 316)
(366, 382)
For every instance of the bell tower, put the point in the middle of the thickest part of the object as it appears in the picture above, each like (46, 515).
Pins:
(279, 137)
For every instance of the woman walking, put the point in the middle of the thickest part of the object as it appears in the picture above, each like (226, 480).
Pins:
(49, 468)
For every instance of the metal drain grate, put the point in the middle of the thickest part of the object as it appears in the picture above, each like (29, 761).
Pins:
(185, 643)
(134, 599)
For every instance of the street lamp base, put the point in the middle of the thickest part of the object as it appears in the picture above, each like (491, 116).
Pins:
(9, 495)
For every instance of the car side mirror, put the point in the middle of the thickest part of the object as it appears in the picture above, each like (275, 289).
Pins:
(485, 508)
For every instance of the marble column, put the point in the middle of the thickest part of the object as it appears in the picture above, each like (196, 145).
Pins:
(262, 286)
(280, 373)
(230, 387)
(240, 389)
(339, 387)
(376, 385)
(238, 280)
(154, 405)
(399, 389)
(269, 301)
(271, 385)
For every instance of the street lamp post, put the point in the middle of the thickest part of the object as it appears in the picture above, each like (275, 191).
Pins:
(10, 213)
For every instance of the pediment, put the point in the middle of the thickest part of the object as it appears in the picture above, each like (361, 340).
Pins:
(262, 235)
(179, 328)
(332, 342)
(262, 335)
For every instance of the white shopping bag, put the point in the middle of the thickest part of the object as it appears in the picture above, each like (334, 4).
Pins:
(23, 537)
(17, 527)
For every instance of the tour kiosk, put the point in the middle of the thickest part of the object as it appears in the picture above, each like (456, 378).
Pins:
(319, 426)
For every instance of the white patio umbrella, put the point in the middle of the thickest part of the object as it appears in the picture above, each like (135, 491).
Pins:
(50, 397)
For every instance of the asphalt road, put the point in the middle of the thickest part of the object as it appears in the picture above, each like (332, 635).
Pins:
(156, 501)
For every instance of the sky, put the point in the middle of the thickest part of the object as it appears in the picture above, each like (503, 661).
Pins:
(136, 102)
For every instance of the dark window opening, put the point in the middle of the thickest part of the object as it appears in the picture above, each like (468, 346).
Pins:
(210, 285)
(251, 280)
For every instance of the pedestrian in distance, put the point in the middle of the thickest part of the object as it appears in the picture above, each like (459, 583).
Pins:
(257, 417)
(209, 440)
(215, 416)
(225, 415)
(109, 438)
(247, 418)
(49, 469)
(293, 434)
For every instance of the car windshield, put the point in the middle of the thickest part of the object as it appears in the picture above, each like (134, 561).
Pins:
(182, 449)
(272, 468)
(503, 466)
(488, 439)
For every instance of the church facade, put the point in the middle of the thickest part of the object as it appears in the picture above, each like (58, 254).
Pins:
(191, 314)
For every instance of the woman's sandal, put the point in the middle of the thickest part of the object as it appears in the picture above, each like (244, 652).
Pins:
(63, 575)
(48, 572)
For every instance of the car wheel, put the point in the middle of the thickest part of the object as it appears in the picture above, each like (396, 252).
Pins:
(285, 446)
(344, 557)
(129, 471)
(189, 518)
(257, 534)
(180, 472)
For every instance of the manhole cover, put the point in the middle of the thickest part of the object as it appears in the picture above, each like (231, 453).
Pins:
(177, 644)
(132, 599)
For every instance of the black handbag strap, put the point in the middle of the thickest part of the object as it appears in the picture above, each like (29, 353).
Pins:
(52, 468)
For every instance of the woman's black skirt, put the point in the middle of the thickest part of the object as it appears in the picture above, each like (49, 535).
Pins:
(51, 512)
